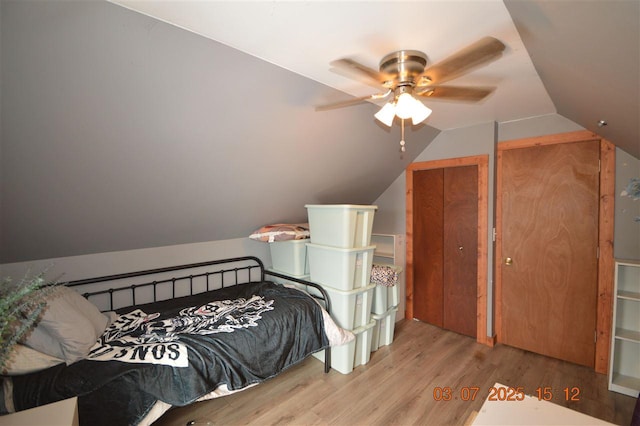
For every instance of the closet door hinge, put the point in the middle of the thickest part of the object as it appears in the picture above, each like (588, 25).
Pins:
(598, 252)
(494, 235)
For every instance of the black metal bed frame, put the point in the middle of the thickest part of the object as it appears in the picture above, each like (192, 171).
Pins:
(219, 272)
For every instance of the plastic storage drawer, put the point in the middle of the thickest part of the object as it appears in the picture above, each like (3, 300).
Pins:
(340, 225)
(290, 257)
(340, 268)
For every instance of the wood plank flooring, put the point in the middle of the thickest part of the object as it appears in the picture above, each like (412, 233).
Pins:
(397, 386)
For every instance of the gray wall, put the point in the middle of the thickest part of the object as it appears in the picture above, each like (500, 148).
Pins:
(627, 210)
(121, 132)
(473, 140)
(463, 142)
(102, 264)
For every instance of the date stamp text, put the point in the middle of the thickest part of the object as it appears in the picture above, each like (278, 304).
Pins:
(470, 393)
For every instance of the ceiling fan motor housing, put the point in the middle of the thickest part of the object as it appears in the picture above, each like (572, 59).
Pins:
(403, 67)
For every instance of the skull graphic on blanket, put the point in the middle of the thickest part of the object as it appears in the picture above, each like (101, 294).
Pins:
(139, 337)
(220, 316)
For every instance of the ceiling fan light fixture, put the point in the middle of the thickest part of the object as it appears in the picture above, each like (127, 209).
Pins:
(420, 113)
(405, 105)
(386, 113)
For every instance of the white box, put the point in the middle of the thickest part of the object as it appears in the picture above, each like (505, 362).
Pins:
(383, 329)
(345, 358)
(385, 298)
(60, 413)
(340, 268)
(340, 225)
(290, 257)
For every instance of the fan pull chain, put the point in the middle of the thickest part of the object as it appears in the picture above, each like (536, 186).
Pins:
(402, 149)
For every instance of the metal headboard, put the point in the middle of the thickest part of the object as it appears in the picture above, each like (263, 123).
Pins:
(174, 280)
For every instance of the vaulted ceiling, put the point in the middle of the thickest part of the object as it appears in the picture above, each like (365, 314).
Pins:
(120, 131)
(578, 58)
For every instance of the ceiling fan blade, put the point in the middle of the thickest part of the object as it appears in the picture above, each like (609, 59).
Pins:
(353, 101)
(372, 76)
(455, 93)
(479, 53)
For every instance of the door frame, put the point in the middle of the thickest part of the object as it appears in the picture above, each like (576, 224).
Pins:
(604, 308)
(482, 162)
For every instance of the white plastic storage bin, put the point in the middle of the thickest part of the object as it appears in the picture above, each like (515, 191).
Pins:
(385, 298)
(340, 268)
(340, 225)
(290, 257)
(384, 328)
(345, 358)
(289, 283)
(351, 309)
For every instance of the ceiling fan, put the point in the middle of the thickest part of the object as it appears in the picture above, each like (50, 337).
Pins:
(404, 74)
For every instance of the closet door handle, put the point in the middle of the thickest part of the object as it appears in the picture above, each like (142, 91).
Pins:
(508, 261)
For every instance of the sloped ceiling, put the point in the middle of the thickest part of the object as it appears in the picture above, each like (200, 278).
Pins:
(305, 37)
(120, 131)
(585, 53)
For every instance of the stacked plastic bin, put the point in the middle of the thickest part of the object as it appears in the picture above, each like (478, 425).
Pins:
(386, 297)
(340, 259)
(290, 257)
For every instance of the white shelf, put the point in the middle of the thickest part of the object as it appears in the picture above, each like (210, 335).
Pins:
(390, 250)
(629, 295)
(624, 367)
(385, 247)
(625, 384)
(389, 255)
(390, 247)
(628, 335)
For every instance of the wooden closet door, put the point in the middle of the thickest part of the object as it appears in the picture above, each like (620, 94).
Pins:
(428, 245)
(550, 235)
(460, 249)
(445, 251)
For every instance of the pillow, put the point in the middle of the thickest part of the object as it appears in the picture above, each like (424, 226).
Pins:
(22, 360)
(68, 328)
(86, 308)
(281, 232)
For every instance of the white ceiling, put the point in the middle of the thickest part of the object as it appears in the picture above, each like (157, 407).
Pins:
(304, 37)
(578, 58)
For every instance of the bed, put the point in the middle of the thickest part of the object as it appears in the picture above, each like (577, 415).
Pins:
(166, 340)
